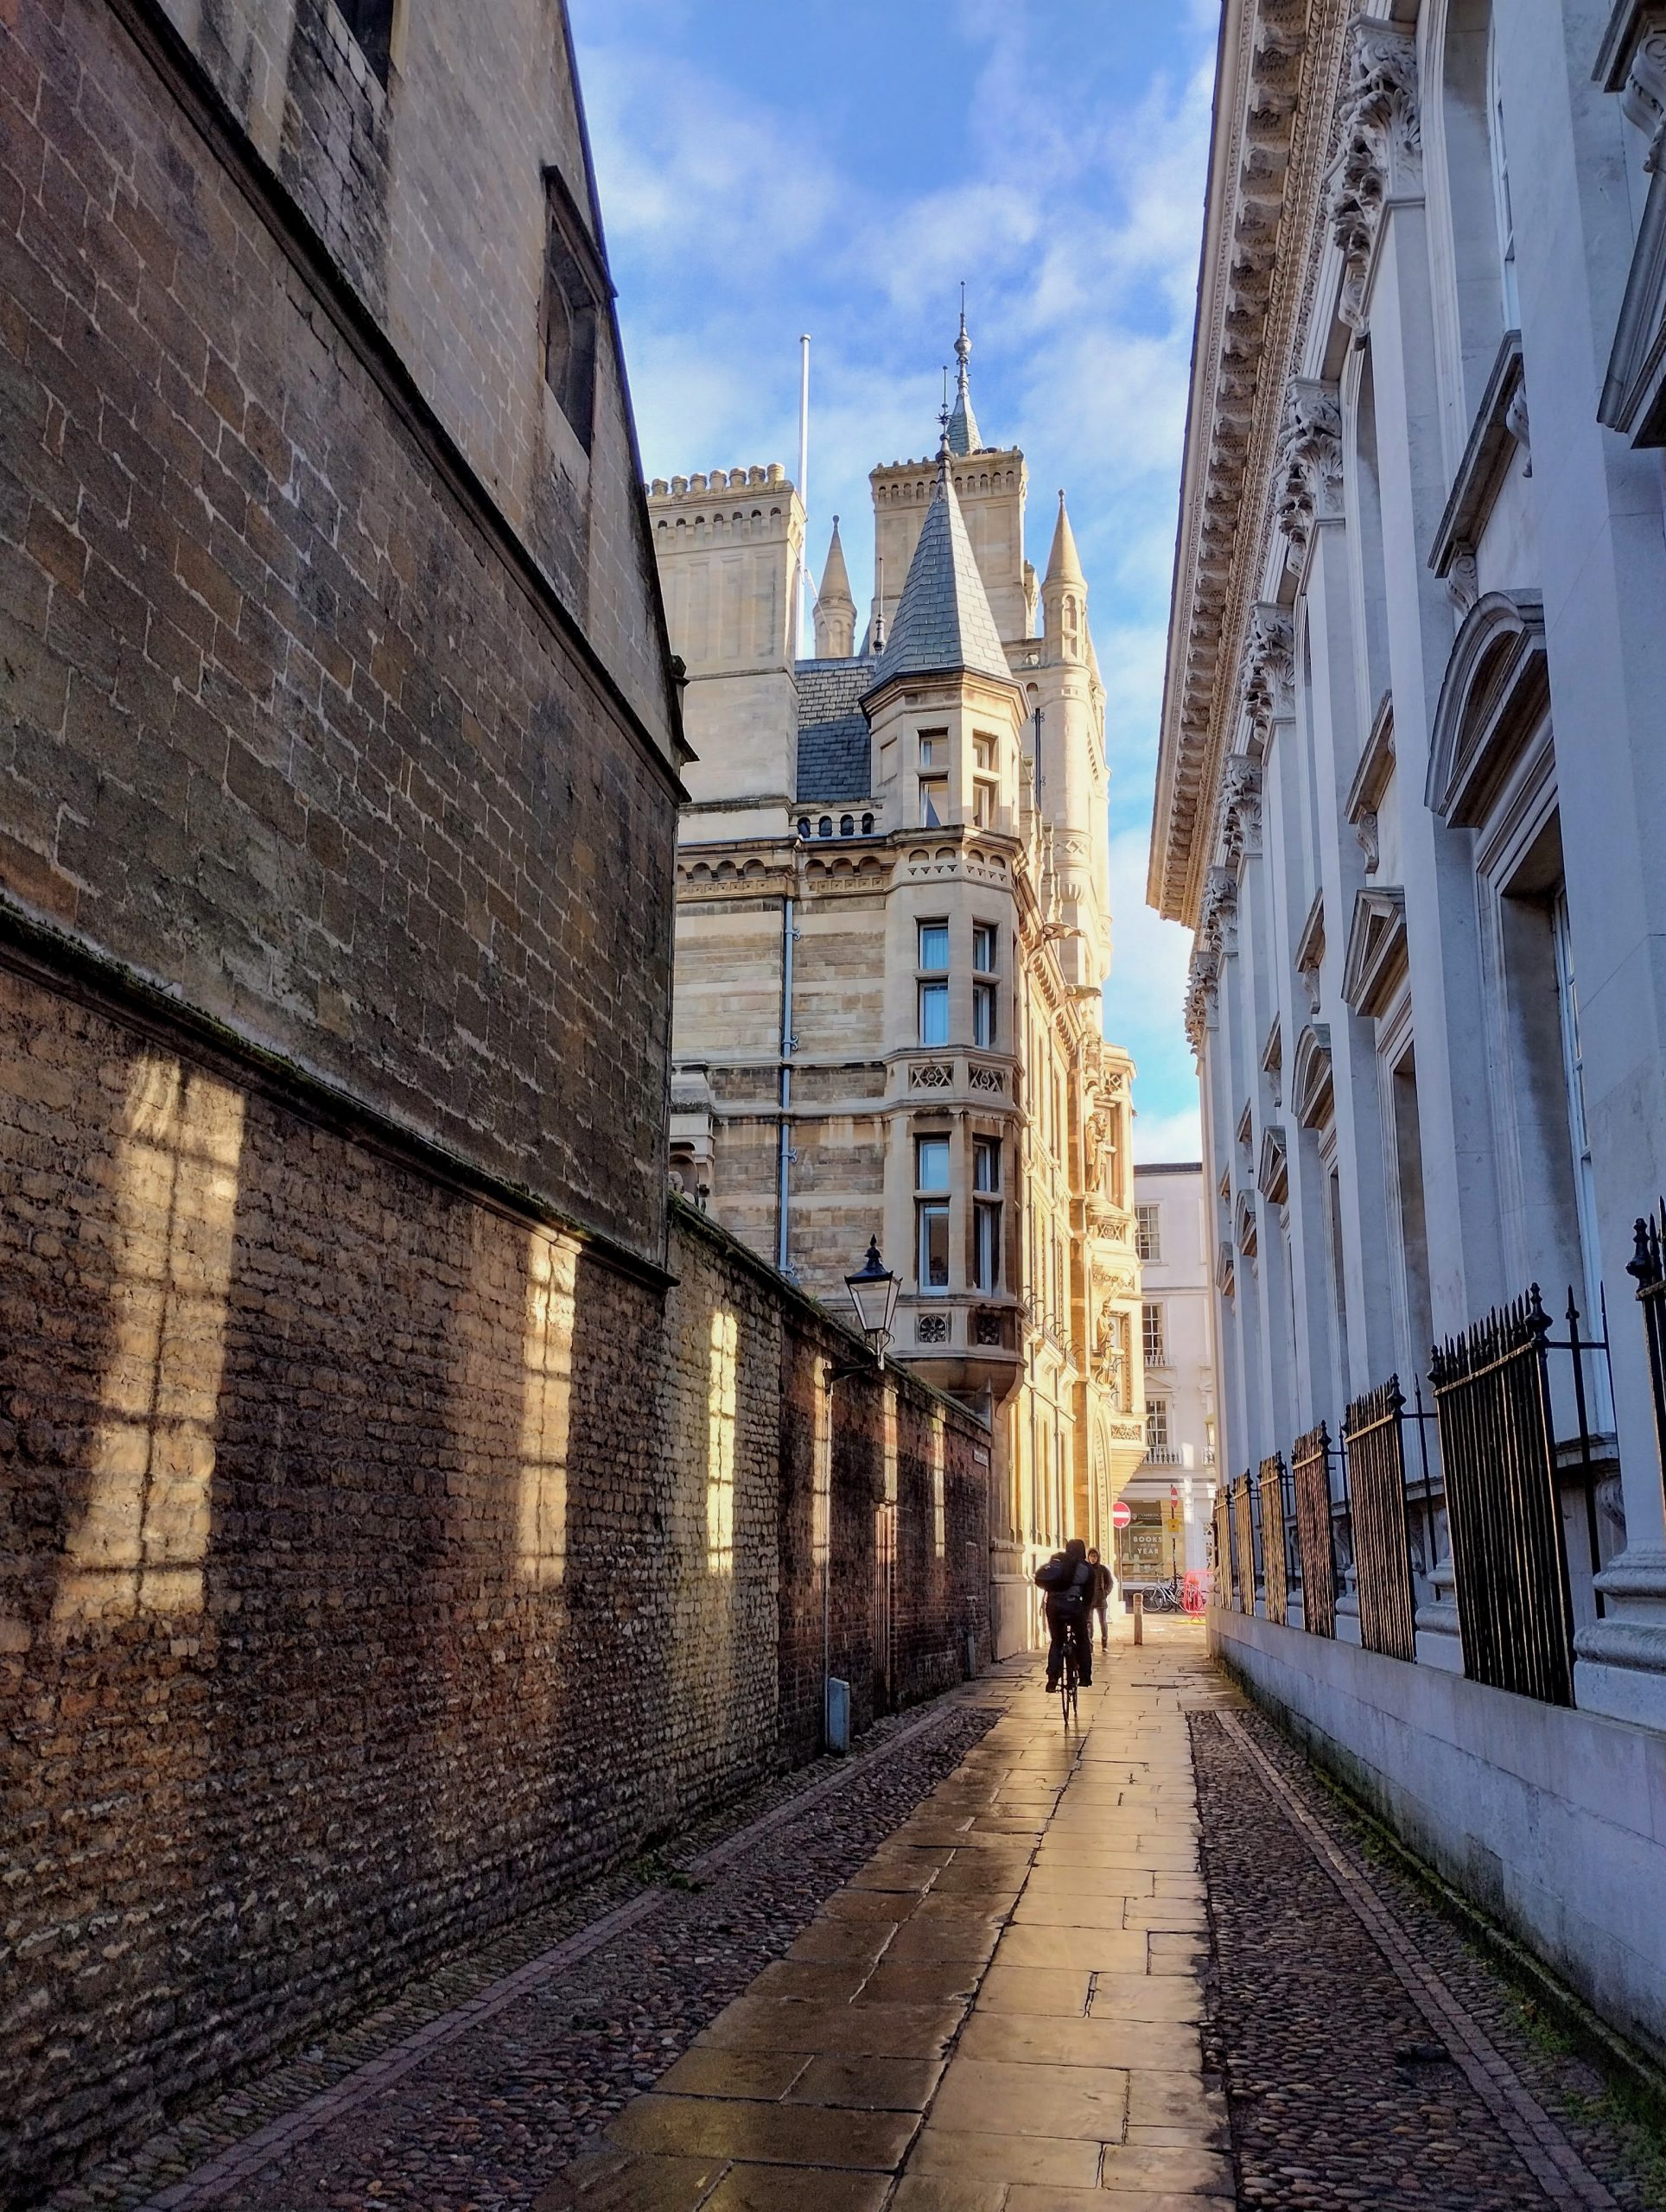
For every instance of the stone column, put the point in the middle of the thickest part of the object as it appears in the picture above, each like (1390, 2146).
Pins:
(1603, 573)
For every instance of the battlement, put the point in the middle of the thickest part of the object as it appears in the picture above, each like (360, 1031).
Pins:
(773, 478)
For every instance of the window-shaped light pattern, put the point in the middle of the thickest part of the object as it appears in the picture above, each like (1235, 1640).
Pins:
(142, 1539)
(720, 1443)
(939, 1490)
(820, 1476)
(546, 1411)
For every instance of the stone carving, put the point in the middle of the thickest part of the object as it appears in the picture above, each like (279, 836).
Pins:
(1307, 478)
(1365, 831)
(1381, 156)
(1643, 96)
(1517, 424)
(1109, 1359)
(1268, 686)
(983, 1078)
(1220, 922)
(932, 1329)
(1241, 804)
(929, 1075)
(1463, 580)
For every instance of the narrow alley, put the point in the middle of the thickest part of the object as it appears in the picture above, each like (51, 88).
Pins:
(983, 1968)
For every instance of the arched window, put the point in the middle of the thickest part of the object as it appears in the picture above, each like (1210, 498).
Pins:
(868, 825)
(824, 827)
(803, 825)
(847, 825)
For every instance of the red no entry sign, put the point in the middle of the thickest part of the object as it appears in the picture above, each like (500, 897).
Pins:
(1120, 1515)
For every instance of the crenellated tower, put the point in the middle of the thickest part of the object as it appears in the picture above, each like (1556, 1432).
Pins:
(888, 1012)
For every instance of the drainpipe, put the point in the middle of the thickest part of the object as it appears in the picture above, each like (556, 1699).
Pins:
(788, 1041)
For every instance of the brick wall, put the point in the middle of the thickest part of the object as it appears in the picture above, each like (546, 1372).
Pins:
(374, 1563)
(282, 720)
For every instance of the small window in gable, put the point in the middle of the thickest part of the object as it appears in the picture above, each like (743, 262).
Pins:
(570, 316)
(371, 23)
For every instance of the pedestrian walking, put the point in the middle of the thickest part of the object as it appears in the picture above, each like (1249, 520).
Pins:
(1103, 1583)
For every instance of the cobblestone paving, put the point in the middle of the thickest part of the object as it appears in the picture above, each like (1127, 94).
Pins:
(990, 1967)
(1341, 2092)
(481, 2123)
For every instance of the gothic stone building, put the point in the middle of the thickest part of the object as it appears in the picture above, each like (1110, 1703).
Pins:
(1412, 798)
(894, 927)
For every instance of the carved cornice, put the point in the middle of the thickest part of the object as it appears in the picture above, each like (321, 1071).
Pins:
(1275, 112)
(1380, 154)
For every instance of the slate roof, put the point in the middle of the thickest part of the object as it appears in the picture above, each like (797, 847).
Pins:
(835, 757)
(943, 619)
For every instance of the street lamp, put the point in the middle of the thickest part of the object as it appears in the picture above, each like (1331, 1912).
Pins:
(874, 1294)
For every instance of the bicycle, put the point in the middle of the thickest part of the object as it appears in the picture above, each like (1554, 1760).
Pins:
(1165, 1597)
(1067, 1684)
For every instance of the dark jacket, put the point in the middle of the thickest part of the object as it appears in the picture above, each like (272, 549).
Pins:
(1069, 1588)
(1103, 1583)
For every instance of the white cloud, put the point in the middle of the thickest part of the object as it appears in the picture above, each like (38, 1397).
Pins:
(1167, 1136)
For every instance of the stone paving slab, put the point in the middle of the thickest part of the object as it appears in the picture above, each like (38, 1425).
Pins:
(1018, 2035)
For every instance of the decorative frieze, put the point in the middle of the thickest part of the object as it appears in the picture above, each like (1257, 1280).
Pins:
(1381, 156)
(1308, 474)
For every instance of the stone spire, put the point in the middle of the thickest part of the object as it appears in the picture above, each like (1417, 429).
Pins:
(1064, 563)
(1065, 592)
(962, 423)
(943, 619)
(835, 610)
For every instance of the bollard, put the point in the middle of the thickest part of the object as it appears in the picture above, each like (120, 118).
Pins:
(1138, 1617)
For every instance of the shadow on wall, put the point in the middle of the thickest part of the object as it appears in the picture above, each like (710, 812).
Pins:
(373, 1564)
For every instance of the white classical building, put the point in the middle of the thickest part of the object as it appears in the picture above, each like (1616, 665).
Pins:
(1412, 798)
(1171, 1497)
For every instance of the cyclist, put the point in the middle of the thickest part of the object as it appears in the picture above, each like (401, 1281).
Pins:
(1103, 1583)
(1067, 1580)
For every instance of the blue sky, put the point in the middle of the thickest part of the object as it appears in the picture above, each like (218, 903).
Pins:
(837, 167)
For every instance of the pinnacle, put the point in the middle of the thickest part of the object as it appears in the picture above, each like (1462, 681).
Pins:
(835, 579)
(1064, 563)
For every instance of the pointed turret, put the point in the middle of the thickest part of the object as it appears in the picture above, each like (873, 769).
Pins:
(962, 423)
(835, 610)
(1065, 592)
(943, 619)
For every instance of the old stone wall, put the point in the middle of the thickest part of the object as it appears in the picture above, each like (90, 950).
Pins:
(374, 1562)
(285, 719)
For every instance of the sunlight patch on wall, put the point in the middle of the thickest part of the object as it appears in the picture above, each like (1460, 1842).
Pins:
(546, 1411)
(140, 1545)
(720, 1445)
(940, 1502)
(821, 1478)
(889, 1443)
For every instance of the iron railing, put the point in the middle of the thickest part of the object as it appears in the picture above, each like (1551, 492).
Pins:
(1223, 1559)
(1373, 1445)
(1310, 1471)
(1648, 1266)
(1498, 1443)
(1244, 1551)
(1275, 1556)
